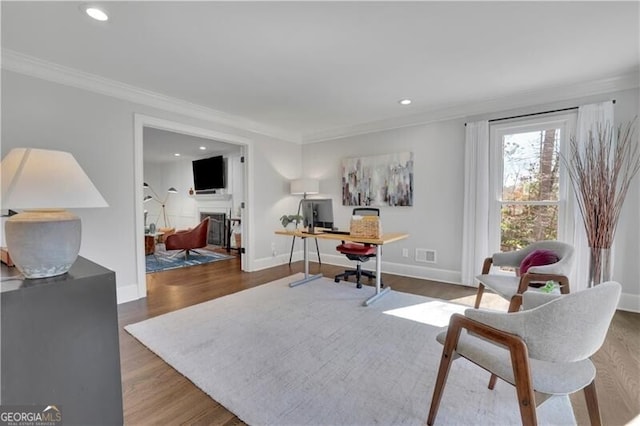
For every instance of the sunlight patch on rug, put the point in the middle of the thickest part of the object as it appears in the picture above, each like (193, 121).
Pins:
(435, 312)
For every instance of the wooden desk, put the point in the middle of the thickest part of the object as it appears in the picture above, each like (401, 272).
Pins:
(378, 242)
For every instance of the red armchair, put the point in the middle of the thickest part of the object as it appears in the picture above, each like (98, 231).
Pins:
(189, 240)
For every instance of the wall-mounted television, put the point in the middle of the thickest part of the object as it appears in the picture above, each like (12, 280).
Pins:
(209, 174)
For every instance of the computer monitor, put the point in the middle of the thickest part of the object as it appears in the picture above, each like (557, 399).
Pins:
(317, 213)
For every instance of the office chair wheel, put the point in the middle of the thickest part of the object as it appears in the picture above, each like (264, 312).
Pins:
(337, 280)
(359, 285)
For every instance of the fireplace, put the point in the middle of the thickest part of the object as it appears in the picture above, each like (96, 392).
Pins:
(217, 228)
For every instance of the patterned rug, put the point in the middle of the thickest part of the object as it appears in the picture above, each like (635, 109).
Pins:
(172, 259)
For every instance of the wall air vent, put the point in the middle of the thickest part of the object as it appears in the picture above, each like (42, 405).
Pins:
(425, 255)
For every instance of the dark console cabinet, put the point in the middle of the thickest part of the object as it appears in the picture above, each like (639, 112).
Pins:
(60, 344)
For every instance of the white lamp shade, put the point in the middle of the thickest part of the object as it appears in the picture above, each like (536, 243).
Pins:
(39, 178)
(305, 186)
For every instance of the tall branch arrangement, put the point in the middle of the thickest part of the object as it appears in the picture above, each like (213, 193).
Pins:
(601, 171)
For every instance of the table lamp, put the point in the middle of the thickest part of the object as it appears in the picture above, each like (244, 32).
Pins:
(303, 187)
(44, 240)
(157, 199)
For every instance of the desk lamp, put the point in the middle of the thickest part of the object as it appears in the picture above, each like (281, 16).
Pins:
(304, 187)
(44, 240)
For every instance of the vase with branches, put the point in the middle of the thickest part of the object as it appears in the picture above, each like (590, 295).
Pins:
(601, 169)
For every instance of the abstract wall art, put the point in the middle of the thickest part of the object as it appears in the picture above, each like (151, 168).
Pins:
(380, 180)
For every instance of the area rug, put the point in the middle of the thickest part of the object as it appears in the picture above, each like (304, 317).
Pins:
(172, 259)
(313, 355)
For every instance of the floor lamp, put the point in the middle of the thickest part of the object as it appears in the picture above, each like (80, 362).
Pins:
(162, 203)
(304, 187)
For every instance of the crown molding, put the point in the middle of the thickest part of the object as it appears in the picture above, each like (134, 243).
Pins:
(45, 70)
(35, 67)
(457, 111)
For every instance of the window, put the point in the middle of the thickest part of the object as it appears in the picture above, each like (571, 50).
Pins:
(527, 183)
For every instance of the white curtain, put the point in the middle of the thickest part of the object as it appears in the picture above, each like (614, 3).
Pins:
(475, 232)
(588, 117)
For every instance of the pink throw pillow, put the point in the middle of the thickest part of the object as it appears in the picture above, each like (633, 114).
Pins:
(538, 258)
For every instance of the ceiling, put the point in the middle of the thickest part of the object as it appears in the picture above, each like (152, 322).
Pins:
(161, 146)
(314, 70)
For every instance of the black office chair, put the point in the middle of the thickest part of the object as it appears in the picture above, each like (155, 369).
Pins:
(357, 252)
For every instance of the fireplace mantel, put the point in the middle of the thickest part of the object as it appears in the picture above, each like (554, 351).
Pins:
(210, 205)
(212, 197)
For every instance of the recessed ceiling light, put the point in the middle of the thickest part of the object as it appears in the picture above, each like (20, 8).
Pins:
(96, 13)
(203, 148)
(404, 101)
(177, 154)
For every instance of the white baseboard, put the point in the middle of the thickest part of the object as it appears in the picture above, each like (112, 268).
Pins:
(127, 293)
(434, 274)
(270, 262)
(629, 302)
(413, 271)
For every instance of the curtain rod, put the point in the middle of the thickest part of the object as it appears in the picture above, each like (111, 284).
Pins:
(535, 113)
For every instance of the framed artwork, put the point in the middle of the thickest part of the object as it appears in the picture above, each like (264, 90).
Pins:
(380, 180)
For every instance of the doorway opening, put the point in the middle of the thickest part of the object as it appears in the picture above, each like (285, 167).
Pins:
(164, 153)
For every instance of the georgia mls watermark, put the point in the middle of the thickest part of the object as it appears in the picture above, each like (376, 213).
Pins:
(30, 415)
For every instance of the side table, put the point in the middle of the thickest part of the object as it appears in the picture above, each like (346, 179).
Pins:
(59, 343)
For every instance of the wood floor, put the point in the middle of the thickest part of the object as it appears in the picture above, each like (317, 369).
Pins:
(154, 393)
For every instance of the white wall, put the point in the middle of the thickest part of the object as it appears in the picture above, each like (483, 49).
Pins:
(99, 131)
(182, 208)
(435, 220)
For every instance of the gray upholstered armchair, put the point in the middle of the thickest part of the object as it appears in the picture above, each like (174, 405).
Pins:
(544, 348)
(508, 286)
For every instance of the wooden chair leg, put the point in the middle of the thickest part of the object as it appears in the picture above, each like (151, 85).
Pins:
(516, 303)
(592, 404)
(524, 385)
(479, 295)
(492, 381)
(443, 373)
(448, 353)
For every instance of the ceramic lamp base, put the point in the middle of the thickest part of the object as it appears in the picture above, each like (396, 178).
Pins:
(43, 243)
